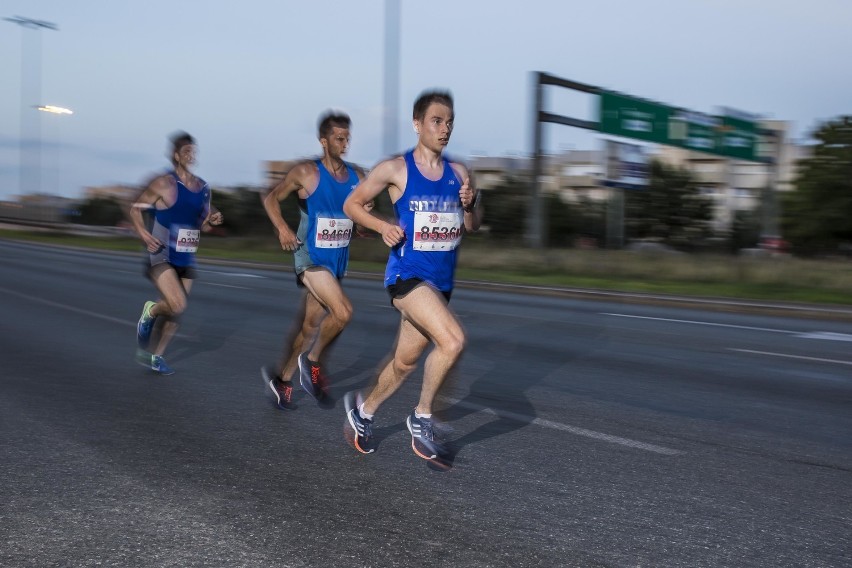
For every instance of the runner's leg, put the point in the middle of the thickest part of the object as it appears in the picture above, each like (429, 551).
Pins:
(326, 291)
(427, 310)
(173, 294)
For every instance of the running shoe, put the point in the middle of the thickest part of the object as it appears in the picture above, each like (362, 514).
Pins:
(158, 365)
(145, 325)
(363, 427)
(311, 378)
(283, 390)
(423, 440)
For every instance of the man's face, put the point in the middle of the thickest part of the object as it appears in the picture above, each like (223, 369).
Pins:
(436, 127)
(186, 155)
(337, 143)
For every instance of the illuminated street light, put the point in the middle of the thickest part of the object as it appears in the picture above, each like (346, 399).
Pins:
(54, 109)
(30, 125)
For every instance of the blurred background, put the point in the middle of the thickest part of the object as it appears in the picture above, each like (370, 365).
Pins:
(589, 126)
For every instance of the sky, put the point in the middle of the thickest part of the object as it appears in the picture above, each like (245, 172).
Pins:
(248, 79)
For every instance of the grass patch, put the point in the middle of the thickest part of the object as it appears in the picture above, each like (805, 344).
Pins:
(780, 279)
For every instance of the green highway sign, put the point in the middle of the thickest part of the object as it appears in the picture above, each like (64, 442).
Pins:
(738, 138)
(630, 117)
(626, 116)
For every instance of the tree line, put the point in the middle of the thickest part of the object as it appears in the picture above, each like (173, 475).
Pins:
(816, 216)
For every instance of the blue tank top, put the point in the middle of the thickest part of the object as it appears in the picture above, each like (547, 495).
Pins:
(324, 229)
(180, 224)
(431, 215)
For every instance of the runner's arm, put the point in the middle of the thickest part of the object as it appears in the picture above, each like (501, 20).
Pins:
(146, 201)
(383, 176)
(470, 199)
(293, 181)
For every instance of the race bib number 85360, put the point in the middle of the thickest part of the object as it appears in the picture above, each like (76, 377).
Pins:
(437, 231)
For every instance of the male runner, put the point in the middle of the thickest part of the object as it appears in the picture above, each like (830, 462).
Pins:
(181, 208)
(321, 255)
(434, 205)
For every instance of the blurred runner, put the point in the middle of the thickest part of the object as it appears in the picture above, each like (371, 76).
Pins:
(180, 203)
(320, 253)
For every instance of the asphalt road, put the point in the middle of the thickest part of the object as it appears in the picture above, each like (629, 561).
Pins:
(586, 433)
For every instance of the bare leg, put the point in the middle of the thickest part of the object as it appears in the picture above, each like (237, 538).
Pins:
(425, 318)
(173, 294)
(326, 291)
(310, 316)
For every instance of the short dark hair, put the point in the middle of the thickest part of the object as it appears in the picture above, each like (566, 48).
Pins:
(427, 98)
(178, 140)
(331, 118)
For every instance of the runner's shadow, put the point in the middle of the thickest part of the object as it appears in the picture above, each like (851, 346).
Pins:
(516, 365)
(209, 334)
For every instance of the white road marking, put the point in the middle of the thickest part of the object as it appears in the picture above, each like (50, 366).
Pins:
(224, 285)
(235, 274)
(818, 359)
(828, 335)
(568, 428)
(74, 309)
(707, 323)
(53, 304)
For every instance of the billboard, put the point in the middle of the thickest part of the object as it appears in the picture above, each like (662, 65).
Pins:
(625, 165)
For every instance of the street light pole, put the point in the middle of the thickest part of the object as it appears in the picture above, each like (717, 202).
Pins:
(27, 117)
(391, 79)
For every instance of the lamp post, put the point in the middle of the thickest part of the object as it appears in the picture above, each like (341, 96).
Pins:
(391, 77)
(30, 121)
(53, 109)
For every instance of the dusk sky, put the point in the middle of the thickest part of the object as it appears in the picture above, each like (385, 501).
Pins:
(249, 79)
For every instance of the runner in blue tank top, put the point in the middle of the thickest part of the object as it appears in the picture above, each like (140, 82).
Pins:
(181, 207)
(435, 204)
(321, 253)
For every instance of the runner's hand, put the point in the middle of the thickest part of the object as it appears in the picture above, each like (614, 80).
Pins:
(152, 243)
(216, 218)
(466, 195)
(288, 240)
(392, 235)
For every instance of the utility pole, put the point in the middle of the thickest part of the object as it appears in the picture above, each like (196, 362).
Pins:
(30, 121)
(390, 142)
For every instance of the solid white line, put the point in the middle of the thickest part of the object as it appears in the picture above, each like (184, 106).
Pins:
(568, 428)
(224, 285)
(818, 359)
(53, 304)
(90, 313)
(707, 323)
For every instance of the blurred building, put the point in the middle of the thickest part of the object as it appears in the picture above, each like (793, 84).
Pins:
(732, 185)
(120, 193)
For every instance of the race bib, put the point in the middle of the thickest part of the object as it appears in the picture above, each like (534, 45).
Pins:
(333, 233)
(437, 231)
(187, 240)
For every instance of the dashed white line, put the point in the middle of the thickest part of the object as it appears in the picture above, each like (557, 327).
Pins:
(569, 428)
(787, 355)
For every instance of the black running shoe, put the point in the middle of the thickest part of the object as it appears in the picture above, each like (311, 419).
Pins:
(423, 440)
(363, 428)
(282, 390)
(312, 379)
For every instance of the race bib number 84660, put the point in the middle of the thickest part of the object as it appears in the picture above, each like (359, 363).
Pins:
(333, 233)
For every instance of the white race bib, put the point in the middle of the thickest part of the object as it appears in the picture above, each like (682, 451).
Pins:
(437, 231)
(187, 240)
(333, 233)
